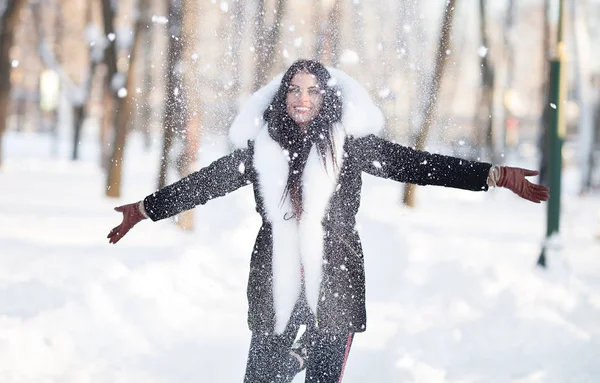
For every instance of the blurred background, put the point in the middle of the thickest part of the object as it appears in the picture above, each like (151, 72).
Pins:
(175, 71)
(104, 101)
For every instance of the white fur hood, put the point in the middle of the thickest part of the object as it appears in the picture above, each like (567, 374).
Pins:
(360, 115)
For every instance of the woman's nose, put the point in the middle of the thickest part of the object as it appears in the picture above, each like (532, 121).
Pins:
(304, 97)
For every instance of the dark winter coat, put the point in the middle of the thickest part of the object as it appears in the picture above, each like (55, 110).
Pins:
(341, 287)
(315, 259)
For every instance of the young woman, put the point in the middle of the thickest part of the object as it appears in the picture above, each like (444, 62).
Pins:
(303, 142)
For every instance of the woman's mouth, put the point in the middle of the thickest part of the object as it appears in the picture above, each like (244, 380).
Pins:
(301, 109)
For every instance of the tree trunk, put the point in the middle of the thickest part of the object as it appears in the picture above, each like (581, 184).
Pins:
(317, 24)
(80, 109)
(191, 139)
(409, 50)
(506, 86)
(484, 120)
(78, 118)
(108, 117)
(327, 40)
(267, 39)
(386, 66)
(146, 102)
(239, 22)
(52, 114)
(110, 60)
(401, 59)
(434, 88)
(358, 28)
(584, 94)
(8, 24)
(110, 51)
(226, 108)
(594, 156)
(123, 114)
(332, 34)
(545, 120)
(174, 115)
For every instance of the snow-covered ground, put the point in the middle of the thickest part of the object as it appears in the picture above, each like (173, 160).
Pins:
(453, 291)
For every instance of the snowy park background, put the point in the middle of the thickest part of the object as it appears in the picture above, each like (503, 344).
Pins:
(453, 291)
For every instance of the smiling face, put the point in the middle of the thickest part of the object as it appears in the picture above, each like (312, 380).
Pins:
(304, 99)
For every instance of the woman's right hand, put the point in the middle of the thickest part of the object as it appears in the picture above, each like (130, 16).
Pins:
(131, 216)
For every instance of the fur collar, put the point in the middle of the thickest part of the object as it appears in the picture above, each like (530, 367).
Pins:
(360, 116)
(297, 245)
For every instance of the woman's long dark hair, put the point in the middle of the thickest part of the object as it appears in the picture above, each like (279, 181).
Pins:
(284, 130)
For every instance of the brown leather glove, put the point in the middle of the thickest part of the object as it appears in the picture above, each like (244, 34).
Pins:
(131, 216)
(514, 179)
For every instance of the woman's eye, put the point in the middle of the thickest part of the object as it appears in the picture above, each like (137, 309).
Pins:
(294, 90)
(315, 91)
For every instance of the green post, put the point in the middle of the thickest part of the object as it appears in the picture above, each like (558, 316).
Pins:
(556, 132)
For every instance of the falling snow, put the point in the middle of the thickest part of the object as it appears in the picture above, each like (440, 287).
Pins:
(434, 285)
(159, 19)
(482, 51)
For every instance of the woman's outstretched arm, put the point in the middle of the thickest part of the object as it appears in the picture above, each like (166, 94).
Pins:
(221, 177)
(386, 159)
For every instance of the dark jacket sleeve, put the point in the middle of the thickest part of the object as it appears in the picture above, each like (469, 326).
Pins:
(386, 159)
(223, 176)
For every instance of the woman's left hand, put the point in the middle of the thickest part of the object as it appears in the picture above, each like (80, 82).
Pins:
(514, 179)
